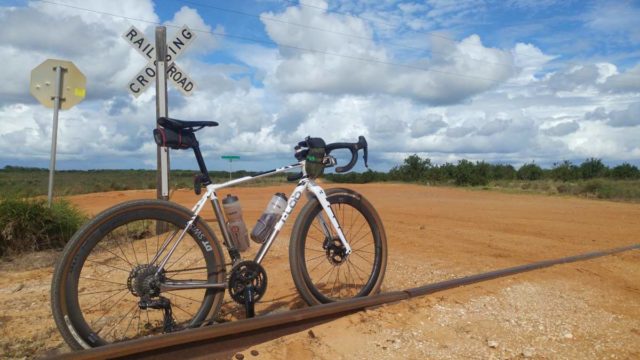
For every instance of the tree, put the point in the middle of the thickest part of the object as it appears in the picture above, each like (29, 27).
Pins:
(503, 172)
(625, 171)
(592, 168)
(565, 171)
(414, 168)
(530, 172)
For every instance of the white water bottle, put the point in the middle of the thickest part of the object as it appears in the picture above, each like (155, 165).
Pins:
(268, 220)
(235, 224)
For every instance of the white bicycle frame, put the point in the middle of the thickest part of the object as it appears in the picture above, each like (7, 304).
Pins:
(305, 185)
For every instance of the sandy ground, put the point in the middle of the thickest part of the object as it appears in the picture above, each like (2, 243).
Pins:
(585, 310)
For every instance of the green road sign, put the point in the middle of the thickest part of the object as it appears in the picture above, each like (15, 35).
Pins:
(230, 157)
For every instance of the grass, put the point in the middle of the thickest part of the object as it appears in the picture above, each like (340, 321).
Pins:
(619, 190)
(27, 182)
(31, 225)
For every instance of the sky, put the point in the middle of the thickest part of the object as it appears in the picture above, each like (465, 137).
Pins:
(508, 82)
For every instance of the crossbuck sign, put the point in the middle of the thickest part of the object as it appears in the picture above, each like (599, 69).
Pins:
(147, 49)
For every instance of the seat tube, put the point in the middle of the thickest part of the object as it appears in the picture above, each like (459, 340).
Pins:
(226, 237)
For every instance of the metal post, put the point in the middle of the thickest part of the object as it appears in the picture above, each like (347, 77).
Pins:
(161, 110)
(230, 161)
(54, 130)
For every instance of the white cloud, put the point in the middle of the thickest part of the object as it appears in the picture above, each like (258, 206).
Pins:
(427, 126)
(562, 128)
(629, 81)
(365, 67)
(627, 117)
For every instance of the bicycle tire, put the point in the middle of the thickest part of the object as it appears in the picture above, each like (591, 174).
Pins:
(307, 252)
(100, 249)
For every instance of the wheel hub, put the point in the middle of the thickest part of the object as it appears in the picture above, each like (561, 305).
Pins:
(335, 251)
(144, 282)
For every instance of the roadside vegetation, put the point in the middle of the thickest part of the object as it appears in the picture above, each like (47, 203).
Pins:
(592, 178)
(31, 225)
(26, 182)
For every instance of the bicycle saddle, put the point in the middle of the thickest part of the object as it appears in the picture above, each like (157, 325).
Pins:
(175, 124)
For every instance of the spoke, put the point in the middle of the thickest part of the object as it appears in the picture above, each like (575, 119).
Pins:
(358, 231)
(350, 265)
(334, 283)
(362, 237)
(110, 308)
(360, 256)
(317, 257)
(181, 296)
(320, 231)
(350, 223)
(327, 273)
(315, 267)
(132, 248)
(111, 266)
(124, 335)
(120, 247)
(114, 254)
(358, 270)
(122, 318)
(101, 280)
(146, 248)
(316, 250)
(107, 298)
(183, 310)
(181, 256)
(103, 291)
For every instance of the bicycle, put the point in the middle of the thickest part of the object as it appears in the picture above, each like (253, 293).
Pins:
(146, 267)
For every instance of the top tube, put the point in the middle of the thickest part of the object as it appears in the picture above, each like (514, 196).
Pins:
(214, 187)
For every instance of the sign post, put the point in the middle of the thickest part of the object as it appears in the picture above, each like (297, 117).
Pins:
(162, 110)
(68, 89)
(230, 158)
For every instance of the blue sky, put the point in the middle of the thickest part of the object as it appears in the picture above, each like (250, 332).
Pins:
(502, 81)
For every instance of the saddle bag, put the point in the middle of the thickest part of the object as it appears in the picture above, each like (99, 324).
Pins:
(181, 139)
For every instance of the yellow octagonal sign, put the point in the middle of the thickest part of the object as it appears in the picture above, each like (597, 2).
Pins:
(43, 83)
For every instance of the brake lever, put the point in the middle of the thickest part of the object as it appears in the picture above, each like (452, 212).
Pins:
(362, 144)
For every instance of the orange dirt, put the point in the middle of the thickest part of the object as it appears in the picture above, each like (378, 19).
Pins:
(586, 310)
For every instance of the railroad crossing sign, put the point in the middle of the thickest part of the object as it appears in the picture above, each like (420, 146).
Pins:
(43, 83)
(147, 49)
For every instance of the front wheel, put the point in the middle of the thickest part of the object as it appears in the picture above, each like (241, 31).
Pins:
(107, 288)
(321, 269)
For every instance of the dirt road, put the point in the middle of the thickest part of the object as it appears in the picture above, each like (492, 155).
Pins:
(587, 310)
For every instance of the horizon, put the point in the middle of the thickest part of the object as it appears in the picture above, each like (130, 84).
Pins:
(512, 82)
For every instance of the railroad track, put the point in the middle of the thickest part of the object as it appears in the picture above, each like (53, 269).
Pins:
(224, 340)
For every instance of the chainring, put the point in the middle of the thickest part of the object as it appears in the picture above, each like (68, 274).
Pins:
(244, 274)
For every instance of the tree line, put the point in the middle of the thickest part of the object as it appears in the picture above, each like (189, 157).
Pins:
(465, 172)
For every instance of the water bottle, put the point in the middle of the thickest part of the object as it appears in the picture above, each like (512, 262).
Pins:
(235, 224)
(268, 220)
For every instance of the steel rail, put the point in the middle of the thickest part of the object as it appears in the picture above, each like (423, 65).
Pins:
(224, 340)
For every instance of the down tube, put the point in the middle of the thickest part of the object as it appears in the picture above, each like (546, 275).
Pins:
(295, 197)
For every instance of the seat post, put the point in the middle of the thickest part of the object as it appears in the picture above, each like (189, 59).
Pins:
(201, 164)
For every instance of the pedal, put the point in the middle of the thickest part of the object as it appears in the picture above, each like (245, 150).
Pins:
(164, 304)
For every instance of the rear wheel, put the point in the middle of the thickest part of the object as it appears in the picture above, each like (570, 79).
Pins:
(321, 269)
(106, 270)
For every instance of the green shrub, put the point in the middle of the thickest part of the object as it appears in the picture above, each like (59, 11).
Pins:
(565, 171)
(593, 168)
(529, 172)
(625, 171)
(30, 225)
